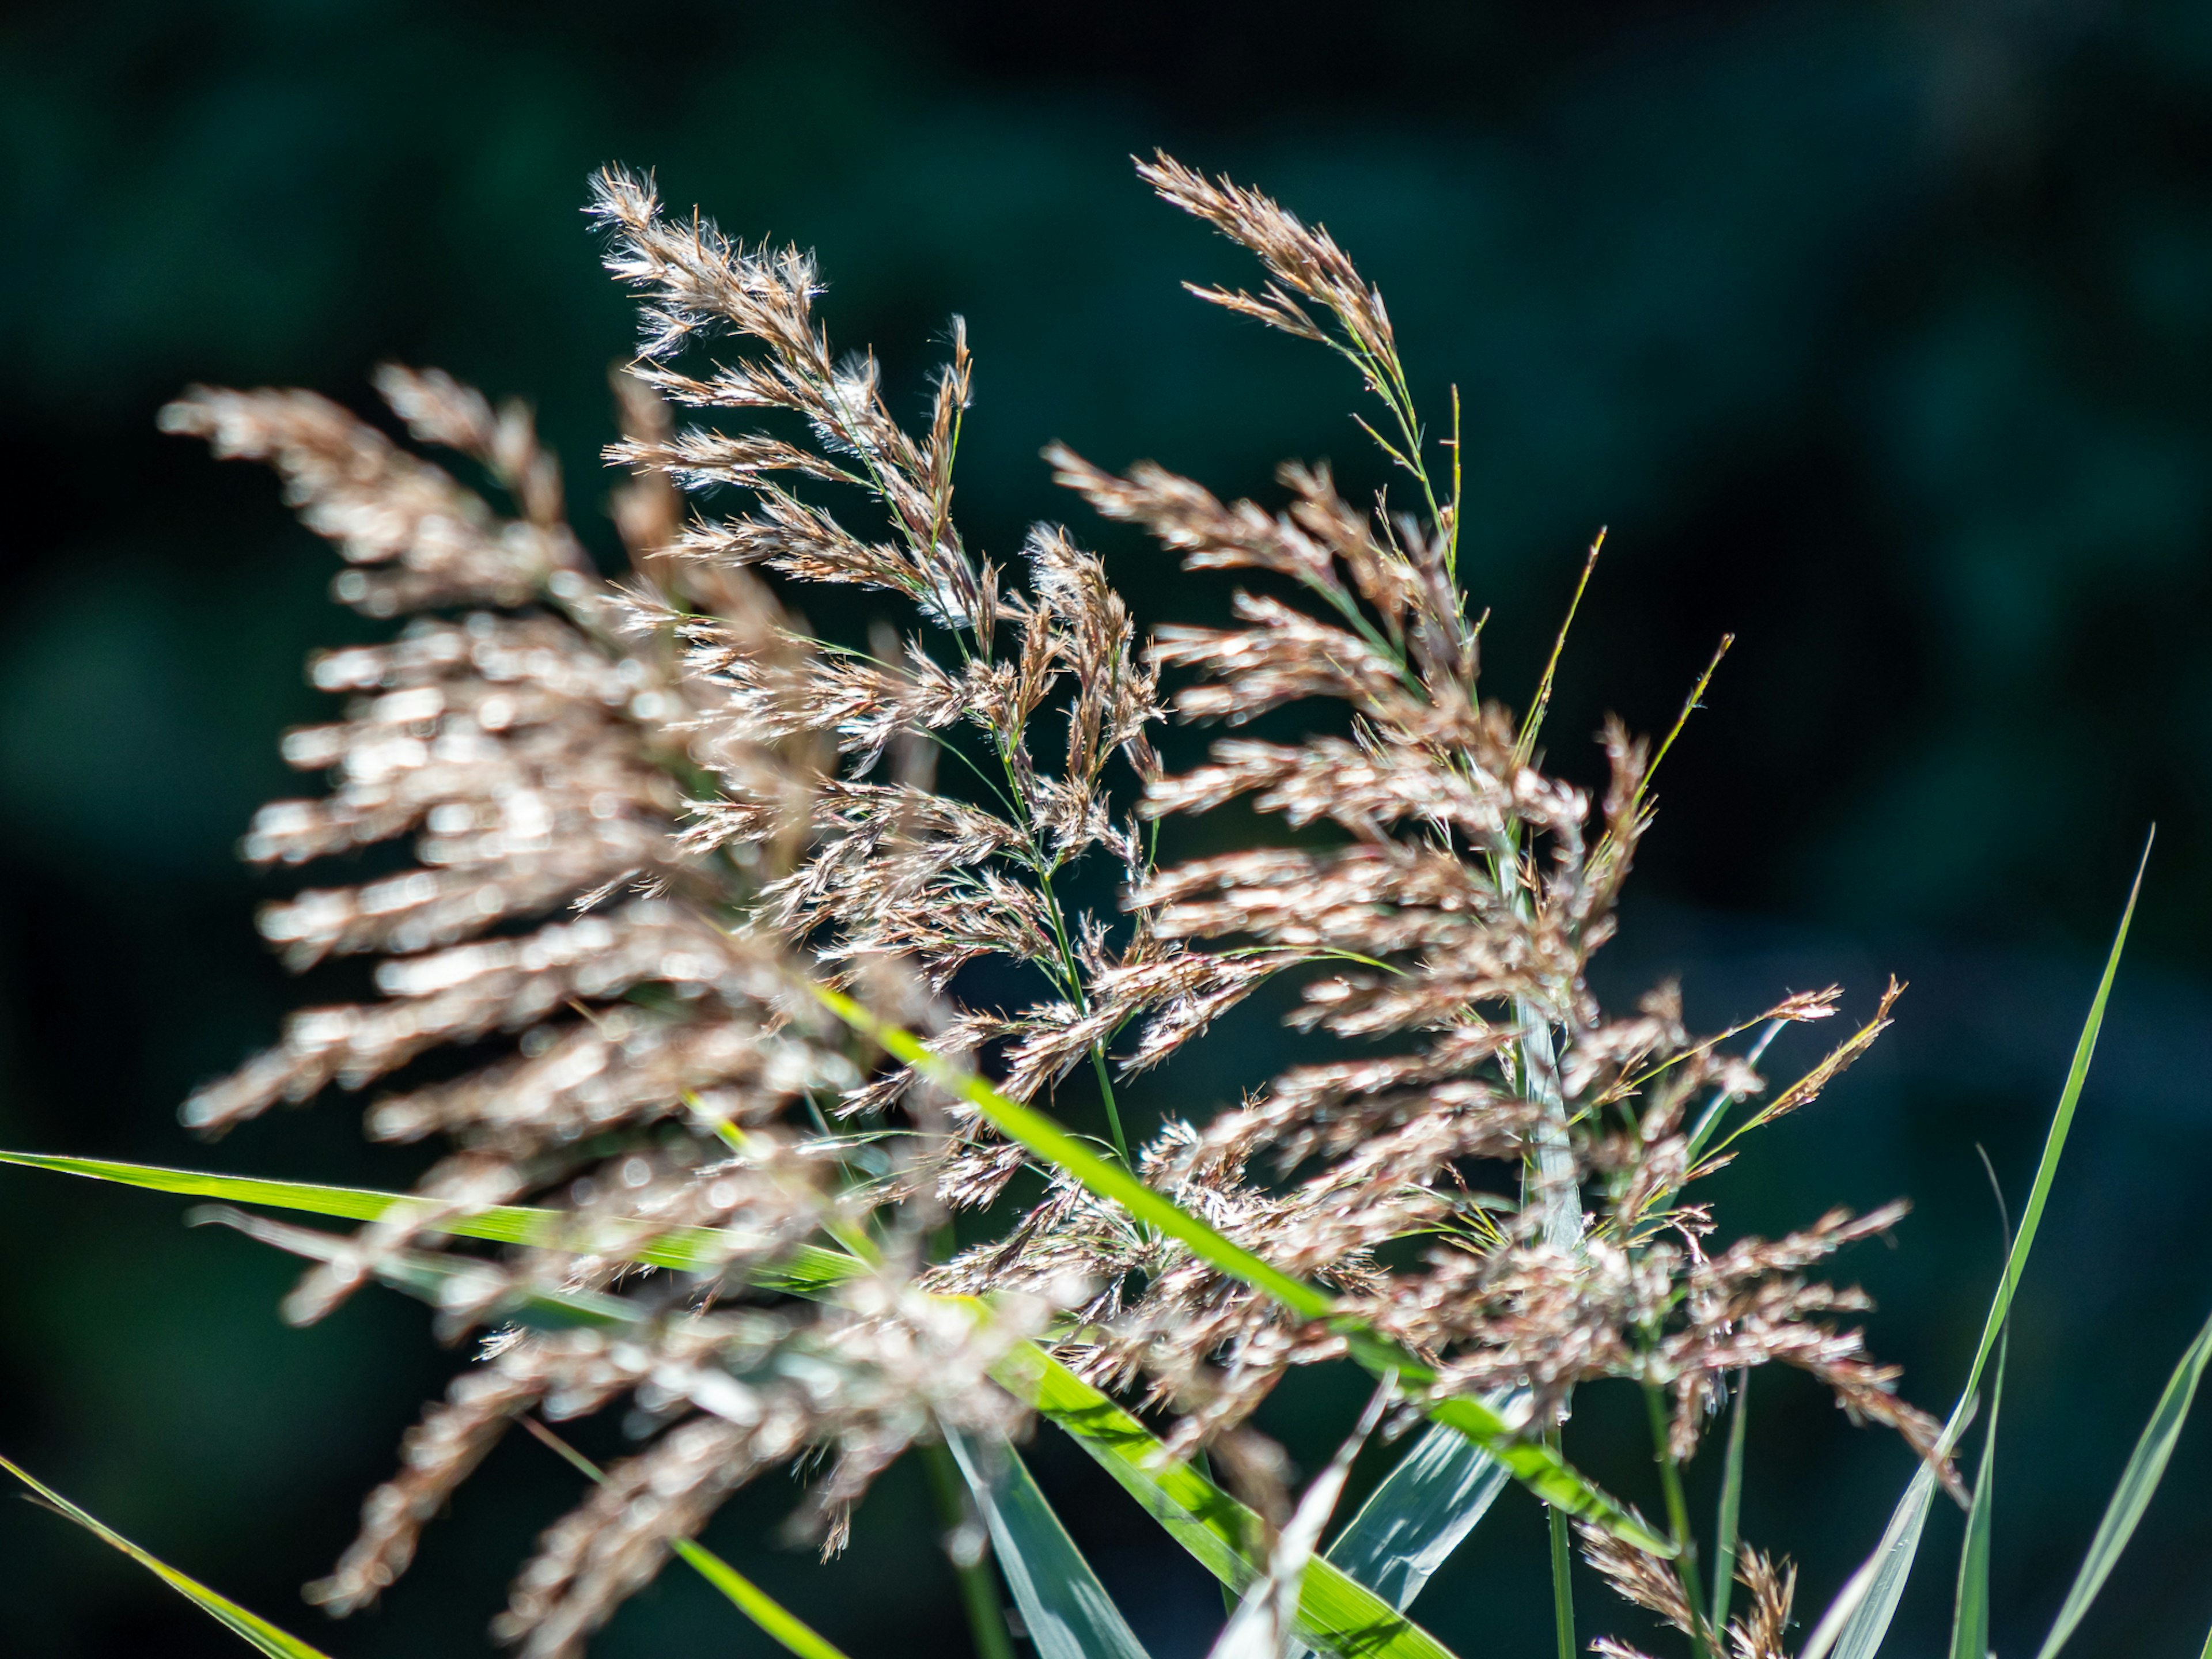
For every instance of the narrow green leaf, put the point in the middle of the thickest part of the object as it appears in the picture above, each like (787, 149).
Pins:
(775, 1620)
(1855, 1624)
(1858, 1618)
(1563, 1582)
(686, 1248)
(1335, 1613)
(1102, 1175)
(811, 1270)
(1536, 1465)
(1422, 1512)
(250, 1627)
(1068, 1610)
(1533, 722)
(778, 1621)
(970, 1562)
(1725, 1531)
(1970, 1611)
(2047, 1170)
(2138, 1482)
(439, 1280)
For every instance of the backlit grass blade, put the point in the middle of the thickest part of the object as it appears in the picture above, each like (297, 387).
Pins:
(2047, 1170)
(1423, 1511)
(1068, 1610)
(692, 1248)
(1854, 1626)
(2138, 1482)
(1855, 1622)
(810, 1270)
(1537, 1465)
(1731, 1511)
(1335, 1614)
(249, 1627)
(1102, 1175)
(777, 1622)
(1970, 1611)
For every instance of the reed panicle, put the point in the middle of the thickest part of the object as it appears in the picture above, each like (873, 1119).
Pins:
(646, 814)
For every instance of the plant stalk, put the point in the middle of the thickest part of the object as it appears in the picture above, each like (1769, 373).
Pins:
(1563, 1587)
(1112, 1111)
(1724, 1532)
(979, 1585)
(1678, 1519)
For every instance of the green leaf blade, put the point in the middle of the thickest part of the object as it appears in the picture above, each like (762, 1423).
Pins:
(1422, 1511)
(1725, 1530)
(2054, 1143)
(250, 1627)
(2138, 1481)
(1858, 1620)
(1068, 1610)
(1533, 1463)
(809, 1269)
(1336, 1614)
(1969, 1615)
(775, 1620)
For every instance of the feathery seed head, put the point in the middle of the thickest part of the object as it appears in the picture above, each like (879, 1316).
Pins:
(643, 817)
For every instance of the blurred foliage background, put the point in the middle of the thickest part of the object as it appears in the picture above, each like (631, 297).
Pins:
(1878, 334)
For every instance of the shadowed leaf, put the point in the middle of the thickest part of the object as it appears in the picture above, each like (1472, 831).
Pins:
(1423, 1511)
(1068, 1610)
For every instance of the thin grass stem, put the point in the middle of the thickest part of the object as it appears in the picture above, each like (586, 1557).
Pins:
(1690, 706)
(1678, 1518)
(1451, 533)
(1526, 744)
(1725, 1525)
(792, 1632)
(1113, 1110)
(1563, 1584)
(979, 1585)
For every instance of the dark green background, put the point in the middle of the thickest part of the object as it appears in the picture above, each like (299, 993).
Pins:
(1878, 334)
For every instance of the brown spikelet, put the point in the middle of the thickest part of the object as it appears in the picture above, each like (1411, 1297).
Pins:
(1305, 263)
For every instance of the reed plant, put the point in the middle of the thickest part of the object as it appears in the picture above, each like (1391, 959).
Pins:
(742, 1131)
